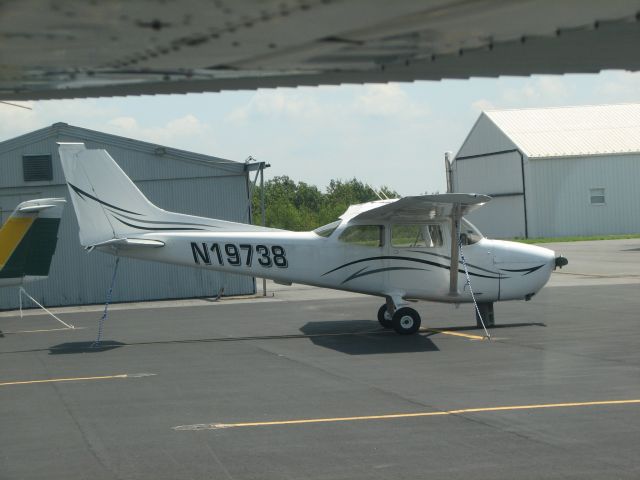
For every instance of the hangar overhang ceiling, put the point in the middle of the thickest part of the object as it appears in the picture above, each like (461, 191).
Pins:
(79, 49)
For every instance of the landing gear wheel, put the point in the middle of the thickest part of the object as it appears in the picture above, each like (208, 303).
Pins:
(406, 321)
(384, 317)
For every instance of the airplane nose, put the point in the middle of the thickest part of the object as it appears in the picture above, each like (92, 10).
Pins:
(524, 268)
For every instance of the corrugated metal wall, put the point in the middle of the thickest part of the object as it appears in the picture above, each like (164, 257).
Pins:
(172, 179)
(487, 163)
(560, 197)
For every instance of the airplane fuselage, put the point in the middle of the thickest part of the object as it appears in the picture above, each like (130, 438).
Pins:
(498, 270)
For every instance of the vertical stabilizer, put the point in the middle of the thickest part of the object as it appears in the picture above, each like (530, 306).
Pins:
(109, 206)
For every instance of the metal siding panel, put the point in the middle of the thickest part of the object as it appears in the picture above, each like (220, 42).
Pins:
(492, 174)
(147, 166)
(561, 203)
(140, 164)
(11, 165)
(78, 278)
(502, 217)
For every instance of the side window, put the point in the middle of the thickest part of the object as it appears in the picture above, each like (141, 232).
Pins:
(364, 235)
(412, 236)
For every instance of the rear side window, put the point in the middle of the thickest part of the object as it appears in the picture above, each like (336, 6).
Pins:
(416, 236)
(364, 235)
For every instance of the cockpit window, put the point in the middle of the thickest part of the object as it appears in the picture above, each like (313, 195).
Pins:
(412, 236)
(469, 234)
(328, 229)
(364, 235)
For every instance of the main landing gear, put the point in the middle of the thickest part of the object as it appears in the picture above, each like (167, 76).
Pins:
(404, 320)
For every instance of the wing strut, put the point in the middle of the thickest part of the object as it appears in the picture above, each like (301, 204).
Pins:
(453, 269)
(456, 255)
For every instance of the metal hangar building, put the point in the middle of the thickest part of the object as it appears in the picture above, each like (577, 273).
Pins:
(553, 172)
(173, 179)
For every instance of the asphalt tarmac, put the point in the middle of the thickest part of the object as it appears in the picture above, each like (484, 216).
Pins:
(304, 384)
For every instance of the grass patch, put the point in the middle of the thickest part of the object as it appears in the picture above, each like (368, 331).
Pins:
(575, 239)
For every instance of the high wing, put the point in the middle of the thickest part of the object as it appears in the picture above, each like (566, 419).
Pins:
(75, 49)
(422, 208)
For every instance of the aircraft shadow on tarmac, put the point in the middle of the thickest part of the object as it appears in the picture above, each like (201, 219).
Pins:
(364, 337)
(84, 347)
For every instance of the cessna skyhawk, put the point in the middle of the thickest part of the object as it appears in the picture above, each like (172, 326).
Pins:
(401, 250)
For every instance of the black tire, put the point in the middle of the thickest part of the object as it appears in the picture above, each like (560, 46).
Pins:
(406, 321)
(384, 318)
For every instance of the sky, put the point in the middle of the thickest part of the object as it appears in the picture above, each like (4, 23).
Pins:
(389, 134)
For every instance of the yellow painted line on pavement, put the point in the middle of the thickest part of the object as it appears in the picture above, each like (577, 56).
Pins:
(77, 379)
(218, 426)
(454, 334)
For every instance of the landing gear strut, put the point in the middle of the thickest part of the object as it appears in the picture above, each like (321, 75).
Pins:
(404, 321)
(486, 310)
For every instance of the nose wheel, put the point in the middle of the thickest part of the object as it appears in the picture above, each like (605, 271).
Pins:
(404, 321)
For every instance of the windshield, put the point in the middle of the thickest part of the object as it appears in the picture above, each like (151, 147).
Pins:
(328, 229)
(469, 234)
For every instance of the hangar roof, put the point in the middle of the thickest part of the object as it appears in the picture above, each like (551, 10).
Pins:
(67, 132)
(571, 131)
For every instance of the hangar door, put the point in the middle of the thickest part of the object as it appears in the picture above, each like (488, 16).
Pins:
(499, 175)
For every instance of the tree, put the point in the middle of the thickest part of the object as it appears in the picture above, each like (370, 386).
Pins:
(302, 207)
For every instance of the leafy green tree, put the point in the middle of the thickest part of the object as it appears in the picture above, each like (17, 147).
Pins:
(302, 207)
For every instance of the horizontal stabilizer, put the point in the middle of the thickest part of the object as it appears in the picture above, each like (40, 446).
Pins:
(29, 207)
(128, 244)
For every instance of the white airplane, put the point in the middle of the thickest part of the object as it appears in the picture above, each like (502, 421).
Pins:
(28, 241)
(402, 250)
